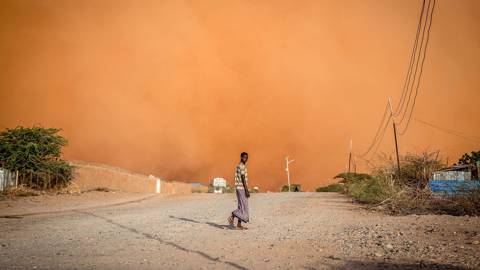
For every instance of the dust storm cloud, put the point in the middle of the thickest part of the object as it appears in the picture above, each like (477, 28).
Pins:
(179, 88)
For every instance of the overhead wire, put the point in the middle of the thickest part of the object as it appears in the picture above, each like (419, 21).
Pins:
(382, 136)
(380, 129)
(404, 130)
(411, 87)
(401, 101)
(450, 131)
(407, 90)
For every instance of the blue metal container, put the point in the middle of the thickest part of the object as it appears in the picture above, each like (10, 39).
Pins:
(453, 187)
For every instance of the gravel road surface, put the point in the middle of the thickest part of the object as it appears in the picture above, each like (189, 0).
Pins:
(287, 231)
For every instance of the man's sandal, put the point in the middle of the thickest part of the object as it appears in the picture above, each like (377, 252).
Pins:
(230, 220)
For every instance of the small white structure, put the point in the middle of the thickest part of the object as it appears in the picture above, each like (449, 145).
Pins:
(219, 185)
(158, 187)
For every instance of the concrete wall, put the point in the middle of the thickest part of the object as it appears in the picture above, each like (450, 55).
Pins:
(90, 176)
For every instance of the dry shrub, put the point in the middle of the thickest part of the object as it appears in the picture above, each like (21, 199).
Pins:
(408, 192)
(20, 191)
(464, 204)
(100, 189)
(415, 169)
(410, 201)
(374, 190)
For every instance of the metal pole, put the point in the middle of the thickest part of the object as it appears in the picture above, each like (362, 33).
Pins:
(288, 174)
(287, 162)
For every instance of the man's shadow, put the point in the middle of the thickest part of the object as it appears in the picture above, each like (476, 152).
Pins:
(218, 226)
(165, 242)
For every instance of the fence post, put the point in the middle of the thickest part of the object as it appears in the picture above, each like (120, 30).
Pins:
(16, 179)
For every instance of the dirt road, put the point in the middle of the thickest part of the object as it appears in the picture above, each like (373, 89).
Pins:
(288, 231)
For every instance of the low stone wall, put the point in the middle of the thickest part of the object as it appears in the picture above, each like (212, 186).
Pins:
(90, 176)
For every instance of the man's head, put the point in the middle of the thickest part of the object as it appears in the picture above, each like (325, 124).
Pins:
(244, 157)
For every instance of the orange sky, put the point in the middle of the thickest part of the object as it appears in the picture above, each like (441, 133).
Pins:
(179, 88)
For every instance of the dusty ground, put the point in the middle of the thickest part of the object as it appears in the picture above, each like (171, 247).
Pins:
(288, 231)
(53, 203)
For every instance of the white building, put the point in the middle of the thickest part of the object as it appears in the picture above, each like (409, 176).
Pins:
(219, 185)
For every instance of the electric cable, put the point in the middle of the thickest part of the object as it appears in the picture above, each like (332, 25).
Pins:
(410, 91)
(402, 132)
(401, 101)
(450, 131)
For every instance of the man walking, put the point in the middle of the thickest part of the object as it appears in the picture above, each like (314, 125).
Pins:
(241, 181)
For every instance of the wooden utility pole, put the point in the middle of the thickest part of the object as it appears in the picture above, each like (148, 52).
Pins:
(395, 137)
(350, 156)
(396, 147)
(355, 164)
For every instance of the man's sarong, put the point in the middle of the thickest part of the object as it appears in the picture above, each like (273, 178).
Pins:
(242, 210)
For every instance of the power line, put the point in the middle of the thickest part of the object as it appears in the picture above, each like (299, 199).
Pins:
(407, 89)
(421, 72)
(381, 128)
(450, 131)
(375, 138)
(402, 110)
(382, 136)
(401, 101)
(410, 91)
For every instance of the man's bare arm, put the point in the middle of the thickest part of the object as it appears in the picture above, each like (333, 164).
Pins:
(247, 193)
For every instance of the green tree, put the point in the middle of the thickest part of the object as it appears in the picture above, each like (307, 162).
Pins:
(467, 158)
(35, 153)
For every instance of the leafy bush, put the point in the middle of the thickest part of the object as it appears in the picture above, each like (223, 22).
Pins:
(35, 153)
(471, 158)
(331, 188)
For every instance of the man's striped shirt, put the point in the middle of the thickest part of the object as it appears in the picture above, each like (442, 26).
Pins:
(241, 170)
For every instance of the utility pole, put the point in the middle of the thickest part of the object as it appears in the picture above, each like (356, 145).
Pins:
(287, 162)
(355, 164)
(350, 156)
(395, 136)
